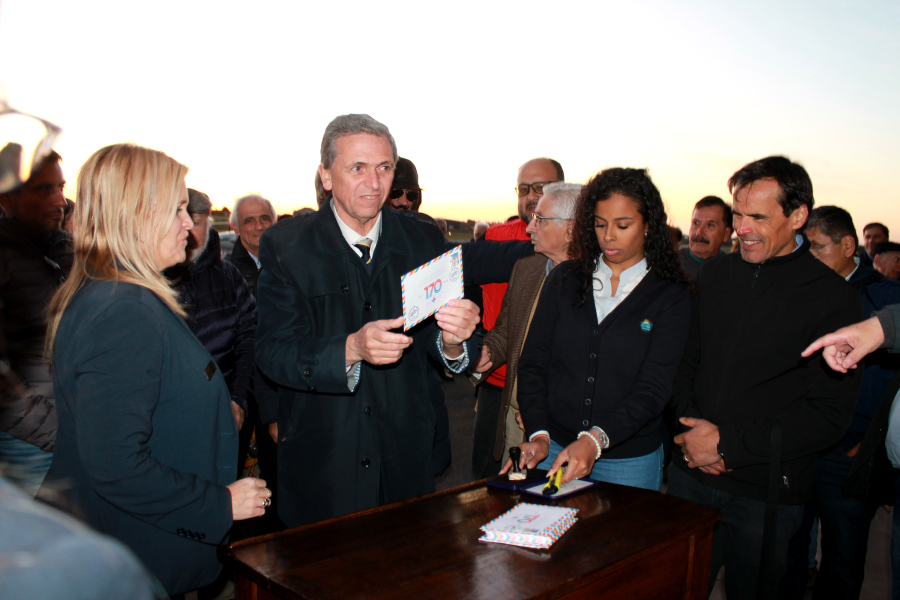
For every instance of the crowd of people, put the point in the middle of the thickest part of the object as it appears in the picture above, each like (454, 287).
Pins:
(139, 362)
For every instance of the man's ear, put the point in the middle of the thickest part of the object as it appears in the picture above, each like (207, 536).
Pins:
(325, 176)
(848, 246)
(798, 217)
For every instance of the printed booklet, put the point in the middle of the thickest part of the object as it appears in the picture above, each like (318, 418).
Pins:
(529, 525)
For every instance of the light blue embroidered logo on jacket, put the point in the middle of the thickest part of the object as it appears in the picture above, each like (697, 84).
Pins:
(646, 326)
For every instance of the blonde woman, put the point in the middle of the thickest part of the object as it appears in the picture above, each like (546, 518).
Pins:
(147, 442)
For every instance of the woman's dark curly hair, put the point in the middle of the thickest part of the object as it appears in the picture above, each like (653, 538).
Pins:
(635, 184)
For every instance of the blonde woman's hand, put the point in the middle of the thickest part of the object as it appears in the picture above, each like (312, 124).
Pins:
(248, 497)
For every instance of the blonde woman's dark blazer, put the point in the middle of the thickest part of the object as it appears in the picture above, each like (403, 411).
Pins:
(147, 441)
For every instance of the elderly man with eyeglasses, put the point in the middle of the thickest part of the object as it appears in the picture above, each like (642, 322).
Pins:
(532, 177)
(550, 229)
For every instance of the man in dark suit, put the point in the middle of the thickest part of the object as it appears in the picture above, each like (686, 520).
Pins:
(355, 425)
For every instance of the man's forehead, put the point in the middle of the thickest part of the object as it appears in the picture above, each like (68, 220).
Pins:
(363, 148)
(709, 213)
(252, 207)
(814, 232)
(545, 204)
(758, 196)
(51, 172)
(539, 169)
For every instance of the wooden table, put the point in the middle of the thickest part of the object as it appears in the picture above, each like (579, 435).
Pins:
(627, 543)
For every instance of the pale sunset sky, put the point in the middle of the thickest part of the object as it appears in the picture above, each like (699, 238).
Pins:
(241, 92)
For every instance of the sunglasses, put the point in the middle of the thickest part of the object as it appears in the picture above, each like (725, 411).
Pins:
(411, 195)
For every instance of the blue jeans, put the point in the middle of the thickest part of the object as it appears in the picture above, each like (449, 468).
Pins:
(737, 539)
(22, 463)
(640, 472)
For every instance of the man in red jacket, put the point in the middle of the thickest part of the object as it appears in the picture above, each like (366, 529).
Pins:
(532, 177)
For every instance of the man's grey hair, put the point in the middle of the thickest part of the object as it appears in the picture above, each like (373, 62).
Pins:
(565, 197)
(237, 204)
(351, 125)
(198, 202)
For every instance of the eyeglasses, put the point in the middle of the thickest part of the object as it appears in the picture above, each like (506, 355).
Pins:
(818, 247)
(25, 141)
(537, 186)
(411, 195)
(538, 218)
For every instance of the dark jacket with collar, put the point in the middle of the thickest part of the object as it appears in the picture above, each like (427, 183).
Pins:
(574, 374)
(742, 369)
(341, 451)
(876, 291)
(31, 271)
(147, 440)
(242, 259)
(222, 314)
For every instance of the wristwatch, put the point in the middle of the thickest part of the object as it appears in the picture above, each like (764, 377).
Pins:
(601, 435)
(719, 450)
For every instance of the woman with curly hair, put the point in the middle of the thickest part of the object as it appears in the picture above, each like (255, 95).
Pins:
(606, 339)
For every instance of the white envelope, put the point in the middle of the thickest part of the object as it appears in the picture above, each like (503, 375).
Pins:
(427, 288)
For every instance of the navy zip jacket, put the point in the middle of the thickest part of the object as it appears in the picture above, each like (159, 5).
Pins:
(742, 369)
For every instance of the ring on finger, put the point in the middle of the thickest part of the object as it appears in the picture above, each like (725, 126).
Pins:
(686, 459)
(268, 493)
(267, 502)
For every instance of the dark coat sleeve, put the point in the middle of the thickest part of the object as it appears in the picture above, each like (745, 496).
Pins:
(117, 390)
(889, 316)
(488, 261)
(24, 414)
(287, 350)
(497, 338)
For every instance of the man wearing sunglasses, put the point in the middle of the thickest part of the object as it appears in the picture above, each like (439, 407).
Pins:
(532, 177)
(405, 191)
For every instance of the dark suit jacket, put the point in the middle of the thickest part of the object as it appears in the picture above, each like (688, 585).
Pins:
(147, 441)
(341, 451)
(618, 375)
(506, 338)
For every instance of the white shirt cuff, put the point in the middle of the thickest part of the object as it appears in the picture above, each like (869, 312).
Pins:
(537, 433)
(456, 365)
(353, 375)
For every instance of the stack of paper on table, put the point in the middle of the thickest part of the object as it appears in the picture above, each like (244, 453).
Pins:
(529, 525)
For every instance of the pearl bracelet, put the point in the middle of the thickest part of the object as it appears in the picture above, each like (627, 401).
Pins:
(593, 439)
